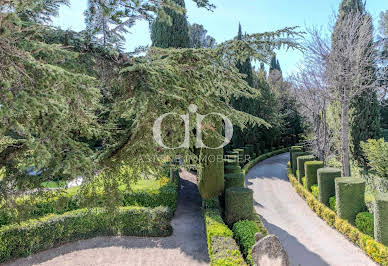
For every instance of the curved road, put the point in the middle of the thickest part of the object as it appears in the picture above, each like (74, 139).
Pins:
(308, 240)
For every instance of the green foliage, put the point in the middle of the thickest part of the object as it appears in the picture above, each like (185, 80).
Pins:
(365, 223)
(300, 165)
(350, 197)
(381, 217)
(295, 156)
(333, 203)
(238, 204)
(36, 235)
(234, 180)
(172, 34)
(199, 38)
(311, 168)
(326, 183)
(232, 169)
(244, 233)
(274, 64)
(293, 150)
(376, 151)
(222, 248)
(378, 252)
(315, 191)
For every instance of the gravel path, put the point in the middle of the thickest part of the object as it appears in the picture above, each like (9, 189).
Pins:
(308, 239)
(187, 245)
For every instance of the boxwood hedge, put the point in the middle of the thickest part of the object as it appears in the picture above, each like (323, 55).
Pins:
(365, 222)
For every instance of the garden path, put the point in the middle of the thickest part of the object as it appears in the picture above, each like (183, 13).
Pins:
(186, 246)
(308, 240)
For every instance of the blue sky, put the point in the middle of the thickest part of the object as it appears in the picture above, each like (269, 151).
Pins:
(222, 24)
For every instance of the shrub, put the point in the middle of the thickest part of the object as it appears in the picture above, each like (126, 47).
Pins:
(350, 196)
(376, 152)
(222, 248)
(365, 223)
(381, 218)
(300, 162)
(294, 160)
(294, 149)
(378, 252)
(333, 203)
(36, 235)
(238, 204)
(326, 183)
(231, 160)
(234, 180)
(244, 233)
(241, 155)
(231, 169)
(315, 191)
(311, 169)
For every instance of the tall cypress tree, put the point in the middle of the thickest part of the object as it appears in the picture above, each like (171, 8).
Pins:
(175, 35)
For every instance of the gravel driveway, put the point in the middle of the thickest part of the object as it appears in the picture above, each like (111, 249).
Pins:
(187, 245)
(308, 240)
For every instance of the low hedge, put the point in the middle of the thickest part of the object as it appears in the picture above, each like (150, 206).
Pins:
(263, 157)
(222, 248)
(70, 200)
(244, 233)
(35, 235)
(333, 203)
(365, 223)
(377, 251)
(315, 191)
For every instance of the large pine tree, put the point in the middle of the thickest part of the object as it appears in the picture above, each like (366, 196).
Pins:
(174, 34)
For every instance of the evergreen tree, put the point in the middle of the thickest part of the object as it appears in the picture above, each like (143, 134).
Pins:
(106, 23)
(199, 37)
(174, 34)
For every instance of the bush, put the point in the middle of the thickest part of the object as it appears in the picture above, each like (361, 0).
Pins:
(333, 203)
(234, 180)
(300, 162)
(326, 183)
(238, 204)
(222, 248)
(376, 152)
(294, 149)
(244, 233)
(365, 223)
(381, 218)
(378, 252)
(311, 169)
(36, 235)
(231, 169)
(350, 196)
(294, 160)
(241, 155)
(315, 191)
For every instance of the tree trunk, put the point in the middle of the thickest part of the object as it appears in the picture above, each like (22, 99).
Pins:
(345, 138)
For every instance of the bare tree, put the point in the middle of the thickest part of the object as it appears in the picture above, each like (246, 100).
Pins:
(349, 68)
(312, 91)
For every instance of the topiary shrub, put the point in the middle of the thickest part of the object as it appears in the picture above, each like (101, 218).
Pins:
(234, 180)
(350, 196)
(294, 149)
(333, 203)
(244, 233)
(381, 218)
(365, 222)
(231, 160)
(294, 160)
(311, 168)
(240, 156)
(232, 169)
(300, 162)
(238, 204)
(326, 183)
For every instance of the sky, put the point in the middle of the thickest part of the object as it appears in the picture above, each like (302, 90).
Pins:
(222, 24)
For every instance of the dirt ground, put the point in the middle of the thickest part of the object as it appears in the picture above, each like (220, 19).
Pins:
(308, 240)
(187, 245)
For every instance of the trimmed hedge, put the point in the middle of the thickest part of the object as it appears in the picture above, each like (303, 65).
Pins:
(315, 191)
(294, 149)
(381, 218)
(377, 251)
(300, 162)
(70, 200)
(263, 157)
(231, 169)
(244, 233)
(294, 160)
(35, 235)
(240, 155)
(234, 180)
(238, 204)
(350, 196)
(311, 169)
(326, 183)
(222, 248)
(365, 222)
